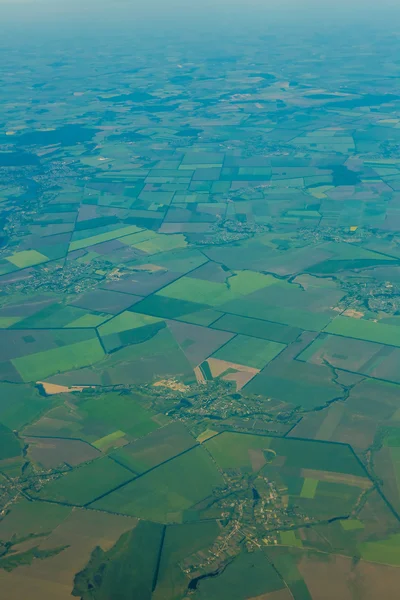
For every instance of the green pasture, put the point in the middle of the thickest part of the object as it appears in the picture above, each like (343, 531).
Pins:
(127, 570)
(78, 244)
(38, 366)
(365, 330)
(27, 258)
(233, 450)
(249, 351)
(180, 542)
(125, 321)
(84, 484)
(257, 328)
(212, 293)
(157, 447)
(164, 493)
(249, 575)
(319, 456)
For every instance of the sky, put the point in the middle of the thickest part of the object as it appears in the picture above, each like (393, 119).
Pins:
(31, 14)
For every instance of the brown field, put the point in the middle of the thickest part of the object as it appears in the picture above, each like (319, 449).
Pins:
(199, 375)
(53, 388)
(242, 376)
(257, 459)
(361, 482)
(338, 424)
(53, 577)
(336, 577)
(53, 452)
(351, 312)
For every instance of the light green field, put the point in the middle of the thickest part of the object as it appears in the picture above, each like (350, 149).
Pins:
(215, 294)
(161, 243)
(309, 488)
(125, 321)
(102, 237)
(352, 524)
(164, 493)
(89, 320)
(108, 440)
(365, 330)
(6, 322)
(249, 351)
(38, 366)
(27, 258)
(385, 551)
(288, 538)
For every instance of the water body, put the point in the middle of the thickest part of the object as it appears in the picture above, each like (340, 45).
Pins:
(193, 584)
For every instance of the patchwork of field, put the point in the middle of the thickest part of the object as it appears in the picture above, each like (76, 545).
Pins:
(200, 309)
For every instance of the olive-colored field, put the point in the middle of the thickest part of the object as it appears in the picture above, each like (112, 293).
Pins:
(155, 448)
(167, 491)
(84, 484)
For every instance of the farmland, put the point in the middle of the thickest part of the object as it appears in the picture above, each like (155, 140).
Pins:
(199, 302)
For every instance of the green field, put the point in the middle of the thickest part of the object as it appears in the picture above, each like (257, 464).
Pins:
(26, 404)
(78, 244)
(236, 584)
(309, 488)
(125, 571)
(161, 243)
(180, 542)
(257, 328)
(285, 561)
(110, 412)
(352, 525)
(288, 538)
(9, 443)
(249, 351)
(126, 321)
(27, 258)
(292, 317)
(233, 450)
(34, 367)
(318, 456)
(215, 294)
(84, 484)
(299, 384)
(26, 518)
(385, 551)
(163, 494)
(365, 330)
(155, 448)
(108, 441)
